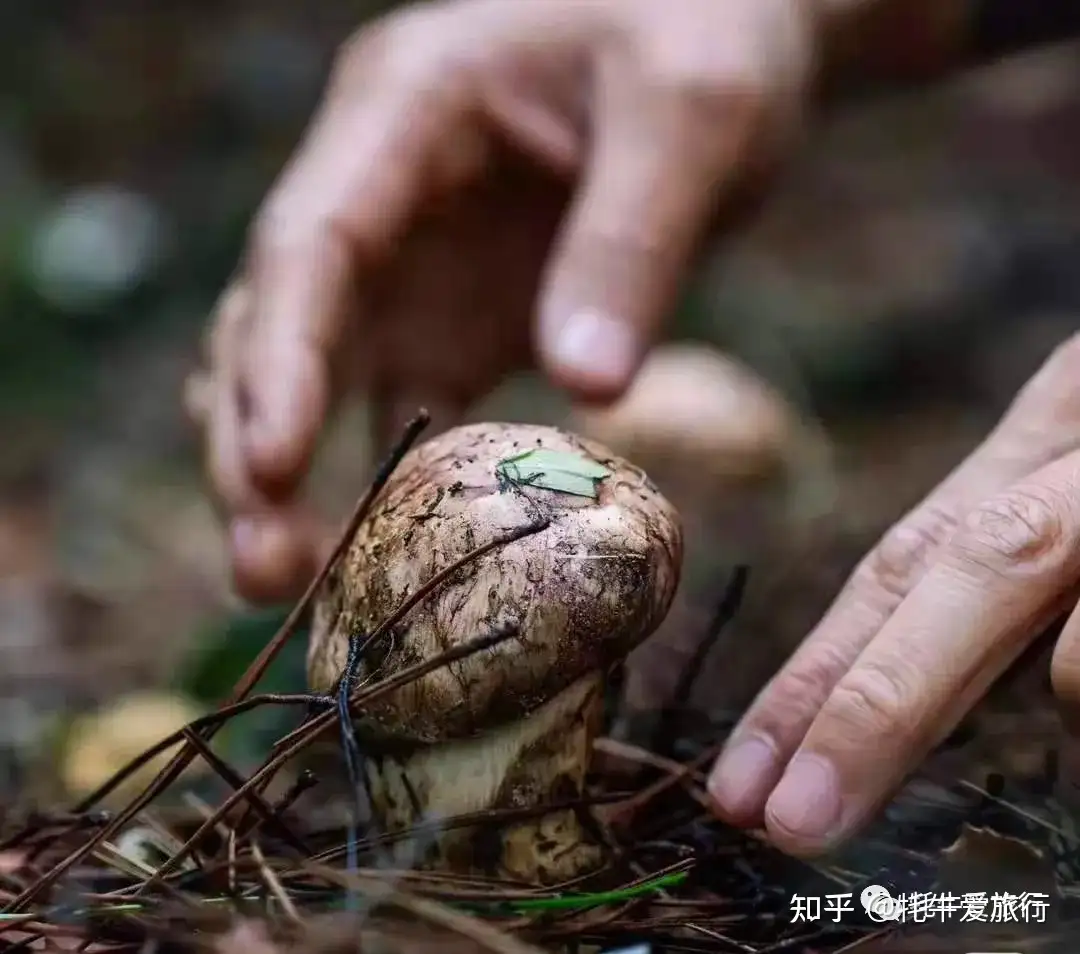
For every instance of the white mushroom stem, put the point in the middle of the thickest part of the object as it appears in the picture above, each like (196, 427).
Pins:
(538, 760)
(510, 726)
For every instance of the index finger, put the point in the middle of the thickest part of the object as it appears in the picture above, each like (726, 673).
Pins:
(365, 166)
(1005, 574)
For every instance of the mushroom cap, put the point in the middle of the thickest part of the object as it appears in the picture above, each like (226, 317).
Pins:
(580, 593)
(699, 408)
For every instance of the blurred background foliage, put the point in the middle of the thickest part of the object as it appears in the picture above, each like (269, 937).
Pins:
(913, 269)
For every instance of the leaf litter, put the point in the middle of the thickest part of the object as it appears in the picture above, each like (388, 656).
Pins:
(249, 873)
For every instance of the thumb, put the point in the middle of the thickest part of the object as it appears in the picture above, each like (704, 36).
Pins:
(662, 163)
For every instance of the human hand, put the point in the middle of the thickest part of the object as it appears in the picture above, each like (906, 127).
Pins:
(488, 185)
(929, 619)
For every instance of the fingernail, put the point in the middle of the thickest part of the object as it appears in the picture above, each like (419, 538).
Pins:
(742, 778)
(806, 804)
(597, 346)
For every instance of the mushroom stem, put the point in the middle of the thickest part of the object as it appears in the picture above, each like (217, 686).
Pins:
(533, 761)
(510, 727)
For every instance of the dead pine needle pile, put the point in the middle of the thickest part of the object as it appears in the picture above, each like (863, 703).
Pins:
(486, 584)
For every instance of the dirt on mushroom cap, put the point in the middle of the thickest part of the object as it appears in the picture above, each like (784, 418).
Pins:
(582, 593)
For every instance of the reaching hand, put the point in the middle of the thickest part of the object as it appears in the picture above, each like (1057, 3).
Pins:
(488, 185)
(930, 618)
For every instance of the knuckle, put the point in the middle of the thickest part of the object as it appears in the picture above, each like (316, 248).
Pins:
(1018, 529)
(689, 77)
(738, 79)
(878, 698)
(903, 555)
(686, 71)
(800, 690)
(405, 48)
(712, 95)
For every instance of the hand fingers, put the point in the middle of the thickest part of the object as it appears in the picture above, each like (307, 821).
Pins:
(276, 553)
(224, 458)
(271, 549)
(774, 726)
(370, 158)
(1002, 576)
(273, 552)
(666, 152)
(229, 310)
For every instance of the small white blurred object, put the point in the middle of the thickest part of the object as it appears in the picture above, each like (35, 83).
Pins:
(97, 244)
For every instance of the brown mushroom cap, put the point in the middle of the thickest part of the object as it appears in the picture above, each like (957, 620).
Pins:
(581, 593)
(701, 409)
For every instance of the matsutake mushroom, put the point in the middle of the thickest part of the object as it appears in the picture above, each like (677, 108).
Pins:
(694, 409)
(511, 726)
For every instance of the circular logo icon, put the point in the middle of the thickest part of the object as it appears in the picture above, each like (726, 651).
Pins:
(879, 905)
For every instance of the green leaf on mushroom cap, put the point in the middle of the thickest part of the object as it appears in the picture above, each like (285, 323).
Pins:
(559, 471)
